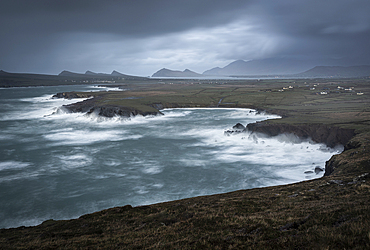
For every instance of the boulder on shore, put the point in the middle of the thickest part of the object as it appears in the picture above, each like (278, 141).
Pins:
(239, 126)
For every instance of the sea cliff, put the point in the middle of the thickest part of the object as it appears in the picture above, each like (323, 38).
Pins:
(319, 133)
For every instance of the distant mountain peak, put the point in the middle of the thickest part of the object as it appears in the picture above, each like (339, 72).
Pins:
(90, 73)
(67, 73)
(175, 73)
(116, 73)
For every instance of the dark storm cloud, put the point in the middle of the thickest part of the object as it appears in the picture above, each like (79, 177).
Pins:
(337, 28)
(130, 18)
(143, 36)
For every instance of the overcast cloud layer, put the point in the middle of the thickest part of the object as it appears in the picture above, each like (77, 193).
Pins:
(140, 37)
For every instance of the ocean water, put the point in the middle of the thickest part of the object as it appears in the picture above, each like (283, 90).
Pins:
(58, 165)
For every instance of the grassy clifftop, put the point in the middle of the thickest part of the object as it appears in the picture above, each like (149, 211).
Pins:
(327, 213)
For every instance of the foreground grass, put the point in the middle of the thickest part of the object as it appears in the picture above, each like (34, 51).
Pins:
(329, 213)
(332, 212)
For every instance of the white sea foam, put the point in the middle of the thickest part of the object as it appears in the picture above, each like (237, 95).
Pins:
(84, 137)
(112, 163)
(106, 88)
(40, 107)
(18, 176)
(147, 166)
(11, 165)
(150, 168)
(193, 160)
(6, 137)
(109, 175)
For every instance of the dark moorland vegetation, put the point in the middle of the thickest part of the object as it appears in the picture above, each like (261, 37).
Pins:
(332, 212)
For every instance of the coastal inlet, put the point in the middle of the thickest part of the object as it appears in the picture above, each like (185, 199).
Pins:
(61, 165)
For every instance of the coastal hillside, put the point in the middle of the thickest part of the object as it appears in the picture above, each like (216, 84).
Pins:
(8, 79)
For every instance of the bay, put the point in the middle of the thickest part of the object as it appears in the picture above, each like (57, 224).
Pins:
(57, 165)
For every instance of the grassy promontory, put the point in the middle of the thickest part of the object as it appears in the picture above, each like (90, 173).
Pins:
(332, 212)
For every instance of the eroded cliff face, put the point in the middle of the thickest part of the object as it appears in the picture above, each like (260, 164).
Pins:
(354, 158)
(320, 133)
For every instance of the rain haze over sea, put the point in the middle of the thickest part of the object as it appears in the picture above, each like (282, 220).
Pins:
(58, 165)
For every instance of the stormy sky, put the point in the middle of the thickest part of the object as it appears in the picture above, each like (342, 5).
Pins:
(139, 37)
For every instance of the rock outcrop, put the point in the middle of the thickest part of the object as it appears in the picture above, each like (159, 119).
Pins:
(92, 106)
(72, 95)
(320, 133)
(112, 111)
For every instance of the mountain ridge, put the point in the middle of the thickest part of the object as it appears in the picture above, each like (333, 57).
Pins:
(269, 66)
(91, 73)
(176, 73)
(290, 67)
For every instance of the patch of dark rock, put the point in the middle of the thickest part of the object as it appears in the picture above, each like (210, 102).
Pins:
(308, 172)
(318, 170)
(238, 126)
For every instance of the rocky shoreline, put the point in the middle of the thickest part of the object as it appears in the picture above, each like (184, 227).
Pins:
(319, 133)
(331, 136)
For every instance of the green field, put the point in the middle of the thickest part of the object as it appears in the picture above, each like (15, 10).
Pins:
(297, 102)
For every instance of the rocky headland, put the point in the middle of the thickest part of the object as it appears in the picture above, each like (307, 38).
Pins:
(94, 106)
